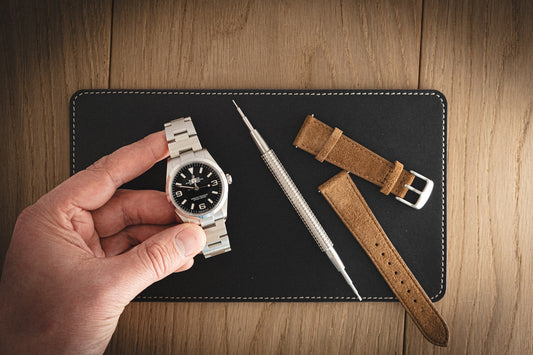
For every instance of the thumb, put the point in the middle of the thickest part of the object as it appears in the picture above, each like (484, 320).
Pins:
(157, 257)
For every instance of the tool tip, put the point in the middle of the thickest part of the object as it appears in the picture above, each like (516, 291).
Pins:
(238, 108)
(245, 119)
(355, 290)
(350, 282)
(356, 293)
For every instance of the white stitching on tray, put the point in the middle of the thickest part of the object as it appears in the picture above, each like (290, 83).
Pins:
(349, 93)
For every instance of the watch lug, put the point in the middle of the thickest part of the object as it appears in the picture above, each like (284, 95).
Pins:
(224, 210)
(171, 164)
(187, 218)
(205, 154)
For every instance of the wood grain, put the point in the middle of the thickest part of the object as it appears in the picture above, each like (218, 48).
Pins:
(265, 44)
(49, 50)
(260, 44)
(243, 328)
(480, 54)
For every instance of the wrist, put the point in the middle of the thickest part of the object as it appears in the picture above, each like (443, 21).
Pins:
(21, 332)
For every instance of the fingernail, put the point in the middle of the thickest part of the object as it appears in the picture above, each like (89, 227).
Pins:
(190, 240)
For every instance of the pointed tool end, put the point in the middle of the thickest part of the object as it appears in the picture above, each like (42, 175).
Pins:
(356, 293)
(238, 109)
(245, 119)
(350, 282)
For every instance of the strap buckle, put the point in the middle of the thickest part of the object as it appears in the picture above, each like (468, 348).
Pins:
(423, 195)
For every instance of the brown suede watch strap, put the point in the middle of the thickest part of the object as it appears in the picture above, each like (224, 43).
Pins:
(330, 144)
(342, 194)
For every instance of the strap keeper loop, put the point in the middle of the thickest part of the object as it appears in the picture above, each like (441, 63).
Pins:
(392, 178)
(328, 146)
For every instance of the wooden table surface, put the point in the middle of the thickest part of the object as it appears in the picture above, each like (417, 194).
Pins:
(478, 53)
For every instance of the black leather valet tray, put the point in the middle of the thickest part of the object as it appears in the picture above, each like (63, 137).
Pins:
(273, 257)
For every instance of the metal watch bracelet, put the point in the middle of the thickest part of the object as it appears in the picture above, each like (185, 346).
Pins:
(182, 139)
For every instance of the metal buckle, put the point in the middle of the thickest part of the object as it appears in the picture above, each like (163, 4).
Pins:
(424, 194)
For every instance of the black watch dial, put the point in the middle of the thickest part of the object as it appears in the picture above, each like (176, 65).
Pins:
(196, 188)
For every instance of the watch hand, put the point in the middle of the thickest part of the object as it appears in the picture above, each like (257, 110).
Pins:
(185, 187)
(195, 184)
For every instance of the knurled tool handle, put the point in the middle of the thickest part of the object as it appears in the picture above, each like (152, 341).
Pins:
(297, 200)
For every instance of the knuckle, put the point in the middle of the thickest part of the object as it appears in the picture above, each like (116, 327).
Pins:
(102, 167)
(158, 259)
(126, 217)
(149, 148)
(98, 165)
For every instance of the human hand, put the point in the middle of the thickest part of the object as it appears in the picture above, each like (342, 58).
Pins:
(84, 250)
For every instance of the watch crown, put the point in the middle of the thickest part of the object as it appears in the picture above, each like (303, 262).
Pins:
(229, 178)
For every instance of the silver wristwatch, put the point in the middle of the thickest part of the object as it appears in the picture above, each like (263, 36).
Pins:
(196, 185)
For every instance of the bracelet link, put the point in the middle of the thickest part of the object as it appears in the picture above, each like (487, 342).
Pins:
(181, 137)
(217, 239)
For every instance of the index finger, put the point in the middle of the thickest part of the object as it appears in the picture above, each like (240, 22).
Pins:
(93, 187)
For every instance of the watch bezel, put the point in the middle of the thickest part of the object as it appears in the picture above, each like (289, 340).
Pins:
(223, 180)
